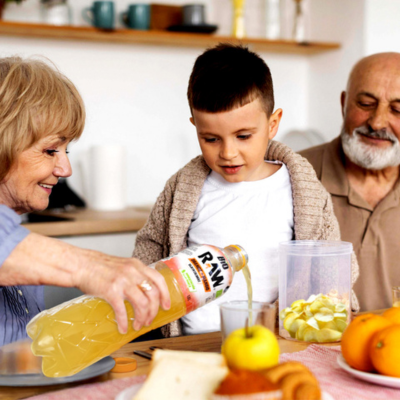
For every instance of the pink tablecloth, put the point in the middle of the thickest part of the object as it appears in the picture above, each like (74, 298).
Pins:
(334, 380)
(319, 359)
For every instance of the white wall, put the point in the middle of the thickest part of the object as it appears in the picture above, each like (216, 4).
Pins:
(136, 95)
(383, 28)
(339, 21)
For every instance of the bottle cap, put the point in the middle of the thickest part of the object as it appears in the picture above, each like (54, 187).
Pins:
(124, 364)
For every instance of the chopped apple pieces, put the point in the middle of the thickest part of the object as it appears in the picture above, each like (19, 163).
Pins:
(319, 319)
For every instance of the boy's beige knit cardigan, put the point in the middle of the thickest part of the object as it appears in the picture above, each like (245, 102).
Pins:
(165, 232)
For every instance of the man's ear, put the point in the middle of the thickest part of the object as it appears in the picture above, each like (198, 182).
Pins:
(274, 121)
(191, 119)
(343, 101)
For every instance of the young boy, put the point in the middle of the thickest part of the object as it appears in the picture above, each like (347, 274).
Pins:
(243, 190)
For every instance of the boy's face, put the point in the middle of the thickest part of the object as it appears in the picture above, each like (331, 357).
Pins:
(234, 142)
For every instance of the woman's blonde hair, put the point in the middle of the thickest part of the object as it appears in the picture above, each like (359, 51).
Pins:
(36, 101)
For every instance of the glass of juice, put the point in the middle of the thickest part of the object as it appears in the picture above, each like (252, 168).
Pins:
(236, 314)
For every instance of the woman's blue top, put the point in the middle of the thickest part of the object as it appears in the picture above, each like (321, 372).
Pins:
(18, 304)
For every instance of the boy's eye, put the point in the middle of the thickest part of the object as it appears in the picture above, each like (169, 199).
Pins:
(244, 137)
(210, 140)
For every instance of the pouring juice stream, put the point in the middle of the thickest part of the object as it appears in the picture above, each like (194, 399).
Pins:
(76, 334)
(247, 277)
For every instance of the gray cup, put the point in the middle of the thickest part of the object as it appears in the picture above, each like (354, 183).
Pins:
(194, 14)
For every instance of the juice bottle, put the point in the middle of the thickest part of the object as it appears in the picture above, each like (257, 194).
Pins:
(78, 333)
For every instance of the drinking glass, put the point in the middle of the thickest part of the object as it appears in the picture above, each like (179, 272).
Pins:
(236, 314)
(396, 296)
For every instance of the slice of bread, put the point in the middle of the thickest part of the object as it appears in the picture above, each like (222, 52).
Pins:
(183, 376)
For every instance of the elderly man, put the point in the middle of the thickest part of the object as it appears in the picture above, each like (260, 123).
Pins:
(360, 169)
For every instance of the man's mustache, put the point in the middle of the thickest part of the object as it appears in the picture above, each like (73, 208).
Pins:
(381, 134)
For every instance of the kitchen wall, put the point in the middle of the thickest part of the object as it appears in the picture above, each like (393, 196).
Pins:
(136, 94)
(342, 21)
(382, 31)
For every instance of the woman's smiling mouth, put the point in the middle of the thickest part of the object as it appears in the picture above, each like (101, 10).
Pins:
(47, 188)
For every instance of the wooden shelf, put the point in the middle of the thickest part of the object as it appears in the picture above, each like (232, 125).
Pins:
(91, 222)
(129, 36)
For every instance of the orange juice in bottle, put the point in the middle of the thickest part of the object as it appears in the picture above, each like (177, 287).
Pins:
(78, 333)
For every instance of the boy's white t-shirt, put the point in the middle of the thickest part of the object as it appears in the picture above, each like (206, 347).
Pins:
(256, 215)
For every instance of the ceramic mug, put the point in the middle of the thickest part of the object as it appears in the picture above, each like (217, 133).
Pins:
(137, 16)
(194, 14)
(100, 14)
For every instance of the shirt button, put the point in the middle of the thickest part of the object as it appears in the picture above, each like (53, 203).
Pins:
(20, 292)
(26, 310)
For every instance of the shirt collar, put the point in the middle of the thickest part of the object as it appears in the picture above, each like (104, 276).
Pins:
(334, 178)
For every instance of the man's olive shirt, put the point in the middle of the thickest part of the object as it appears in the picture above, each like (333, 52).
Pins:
(374, 232)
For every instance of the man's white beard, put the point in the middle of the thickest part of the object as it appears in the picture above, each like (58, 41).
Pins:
(368, 156)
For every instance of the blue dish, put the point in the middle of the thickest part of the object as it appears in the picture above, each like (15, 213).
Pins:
(96, 369)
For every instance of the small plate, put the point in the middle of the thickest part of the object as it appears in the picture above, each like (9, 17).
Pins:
(101, 367)
(377, 379)
(193, 28)
(128, 393)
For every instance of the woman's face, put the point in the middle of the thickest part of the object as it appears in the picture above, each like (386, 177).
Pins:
(29, 183)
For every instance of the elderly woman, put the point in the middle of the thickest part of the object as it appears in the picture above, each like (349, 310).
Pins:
(41, 112)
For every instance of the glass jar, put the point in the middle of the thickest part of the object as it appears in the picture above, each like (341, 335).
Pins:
(299, 22)
(55, 12)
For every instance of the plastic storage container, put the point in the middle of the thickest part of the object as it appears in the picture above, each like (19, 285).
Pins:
(314, 290)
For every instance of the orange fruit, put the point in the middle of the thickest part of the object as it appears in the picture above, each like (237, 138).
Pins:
(357, 337)
(392, 314)
(385, 351)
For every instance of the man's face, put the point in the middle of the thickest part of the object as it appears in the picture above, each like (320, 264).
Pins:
(371, 111)
(234, 142)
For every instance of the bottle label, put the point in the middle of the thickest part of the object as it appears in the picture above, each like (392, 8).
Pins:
(203, 274)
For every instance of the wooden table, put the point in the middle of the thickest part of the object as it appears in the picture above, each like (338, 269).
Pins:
(209, 342)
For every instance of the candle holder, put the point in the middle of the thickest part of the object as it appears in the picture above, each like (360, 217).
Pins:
(238, 30)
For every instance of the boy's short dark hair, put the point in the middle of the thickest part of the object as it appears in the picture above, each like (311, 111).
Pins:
(229, 76)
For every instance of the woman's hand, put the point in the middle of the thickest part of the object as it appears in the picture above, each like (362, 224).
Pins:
(116, 279)
(40, 260)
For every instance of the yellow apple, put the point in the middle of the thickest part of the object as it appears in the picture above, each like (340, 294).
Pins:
(254, 348)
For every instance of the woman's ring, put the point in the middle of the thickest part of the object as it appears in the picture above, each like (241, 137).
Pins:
(145, 286)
